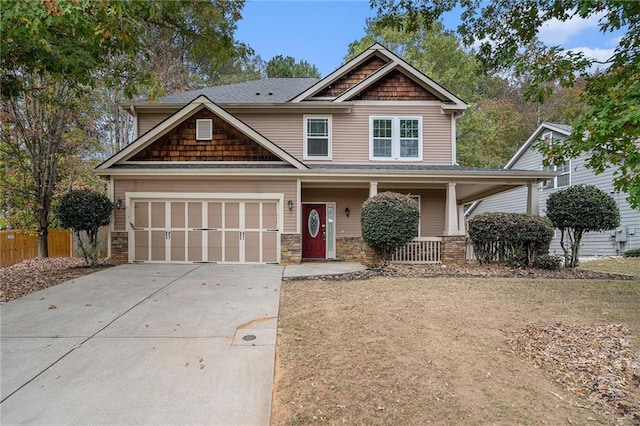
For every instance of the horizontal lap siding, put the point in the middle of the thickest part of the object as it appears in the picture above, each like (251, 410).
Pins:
(148, 121)
(285, 130)
(350, 132)
(123, 186)
(352, 198)
(432, 208)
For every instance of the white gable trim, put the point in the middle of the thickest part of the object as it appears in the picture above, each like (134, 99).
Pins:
(452, 101)
(177, 118)
(534, 137)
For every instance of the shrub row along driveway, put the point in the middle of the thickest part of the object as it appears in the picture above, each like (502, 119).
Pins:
(143, 344)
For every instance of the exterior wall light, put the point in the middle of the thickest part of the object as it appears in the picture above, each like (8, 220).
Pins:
(347, 212)
(119, 203)
(290, 205)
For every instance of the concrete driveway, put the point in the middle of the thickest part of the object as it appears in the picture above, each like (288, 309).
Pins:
(143, 344)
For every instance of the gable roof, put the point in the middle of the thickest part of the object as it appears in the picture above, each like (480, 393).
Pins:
(177, 118)
(394, 62)
(563, 129)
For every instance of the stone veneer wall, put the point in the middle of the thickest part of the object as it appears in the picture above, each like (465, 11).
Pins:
(290, 249)
(453, 249)
(350, 249)
(119, 247)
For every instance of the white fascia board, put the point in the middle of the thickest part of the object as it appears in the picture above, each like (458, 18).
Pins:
(534, 136)
(174, 120)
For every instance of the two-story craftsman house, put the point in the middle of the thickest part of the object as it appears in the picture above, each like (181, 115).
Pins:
(276, 170)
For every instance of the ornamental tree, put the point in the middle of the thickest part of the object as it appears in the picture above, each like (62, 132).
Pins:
(579, 209)
(389, 220)
(85, 211)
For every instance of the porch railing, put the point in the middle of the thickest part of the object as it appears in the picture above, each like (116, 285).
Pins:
(419, 250)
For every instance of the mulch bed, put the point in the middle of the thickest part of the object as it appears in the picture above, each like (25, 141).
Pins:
(469, 270)
(37, 274)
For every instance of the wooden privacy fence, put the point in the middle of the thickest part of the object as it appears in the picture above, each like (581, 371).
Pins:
(419, 250)
(19, 245)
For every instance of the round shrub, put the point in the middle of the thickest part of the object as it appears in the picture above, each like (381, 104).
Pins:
(389, 220)
(632, 253)
(515, 239)
(548, 262)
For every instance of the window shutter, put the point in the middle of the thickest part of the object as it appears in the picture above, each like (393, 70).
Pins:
(204, 130)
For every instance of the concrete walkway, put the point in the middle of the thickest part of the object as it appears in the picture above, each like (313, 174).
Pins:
(143, 344)
(308, 269)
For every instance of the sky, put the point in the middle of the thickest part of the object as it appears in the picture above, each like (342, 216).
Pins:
(320, 32)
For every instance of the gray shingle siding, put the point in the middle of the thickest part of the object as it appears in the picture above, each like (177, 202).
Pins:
(593, 243)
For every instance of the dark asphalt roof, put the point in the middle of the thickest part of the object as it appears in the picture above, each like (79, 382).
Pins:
(269, 90)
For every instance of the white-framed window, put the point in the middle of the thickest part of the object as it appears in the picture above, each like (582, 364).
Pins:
(204, 129)
(564, 178)
(395, 138)
(317, 137)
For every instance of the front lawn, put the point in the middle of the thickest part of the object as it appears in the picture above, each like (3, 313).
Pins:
(458, 350)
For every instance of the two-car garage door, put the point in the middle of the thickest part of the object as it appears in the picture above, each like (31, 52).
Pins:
(222, 231)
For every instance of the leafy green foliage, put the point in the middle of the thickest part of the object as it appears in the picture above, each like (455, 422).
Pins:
(632, 253)
(515, 239)
(609, 127)
(78, 40)
(85, 211)
(579, 209)
(286, 66)
(389, 220)
(548, 262)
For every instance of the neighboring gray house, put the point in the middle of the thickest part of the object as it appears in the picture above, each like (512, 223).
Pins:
(607, 243)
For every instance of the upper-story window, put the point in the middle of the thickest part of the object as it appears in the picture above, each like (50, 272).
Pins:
(204, 129)
(317, 137)
(564, 169)
(395, 138)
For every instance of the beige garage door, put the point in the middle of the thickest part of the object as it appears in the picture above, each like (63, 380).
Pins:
(218, 231)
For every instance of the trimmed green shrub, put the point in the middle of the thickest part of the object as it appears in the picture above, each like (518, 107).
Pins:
(514, 239)
(85, 211)
(548, 262)
(389, 220)
(632, 253)
(579, 209)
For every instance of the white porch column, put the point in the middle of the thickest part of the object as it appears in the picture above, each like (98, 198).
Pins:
(461, 226)
(533, 206)
(373, 189)
(451, 212)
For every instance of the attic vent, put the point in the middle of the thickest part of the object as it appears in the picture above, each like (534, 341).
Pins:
(204, 130)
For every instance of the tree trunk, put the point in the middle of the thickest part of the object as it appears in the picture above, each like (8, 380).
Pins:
(43, 242)
(565, 249)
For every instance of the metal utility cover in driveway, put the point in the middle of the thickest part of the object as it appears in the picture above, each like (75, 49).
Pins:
(143, 344)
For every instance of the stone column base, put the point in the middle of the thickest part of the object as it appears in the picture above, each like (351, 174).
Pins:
(290, 249)
(453, 249)
(119, 247)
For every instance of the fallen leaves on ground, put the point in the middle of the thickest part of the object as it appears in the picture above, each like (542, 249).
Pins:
(468, 270)
(594, 362)
(37, 274)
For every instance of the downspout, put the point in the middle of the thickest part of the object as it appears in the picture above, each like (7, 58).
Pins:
(454, 146)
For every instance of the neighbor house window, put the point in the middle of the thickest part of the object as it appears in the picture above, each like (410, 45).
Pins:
(317, 137)
(204, 129)
(564, 169)
(395, 138)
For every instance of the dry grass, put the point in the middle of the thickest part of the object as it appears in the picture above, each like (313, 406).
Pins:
(434, 350)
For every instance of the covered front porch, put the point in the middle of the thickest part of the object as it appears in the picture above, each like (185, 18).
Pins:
(329, 212)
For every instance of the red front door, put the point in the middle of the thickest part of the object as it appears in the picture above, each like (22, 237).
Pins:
(314, 218)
